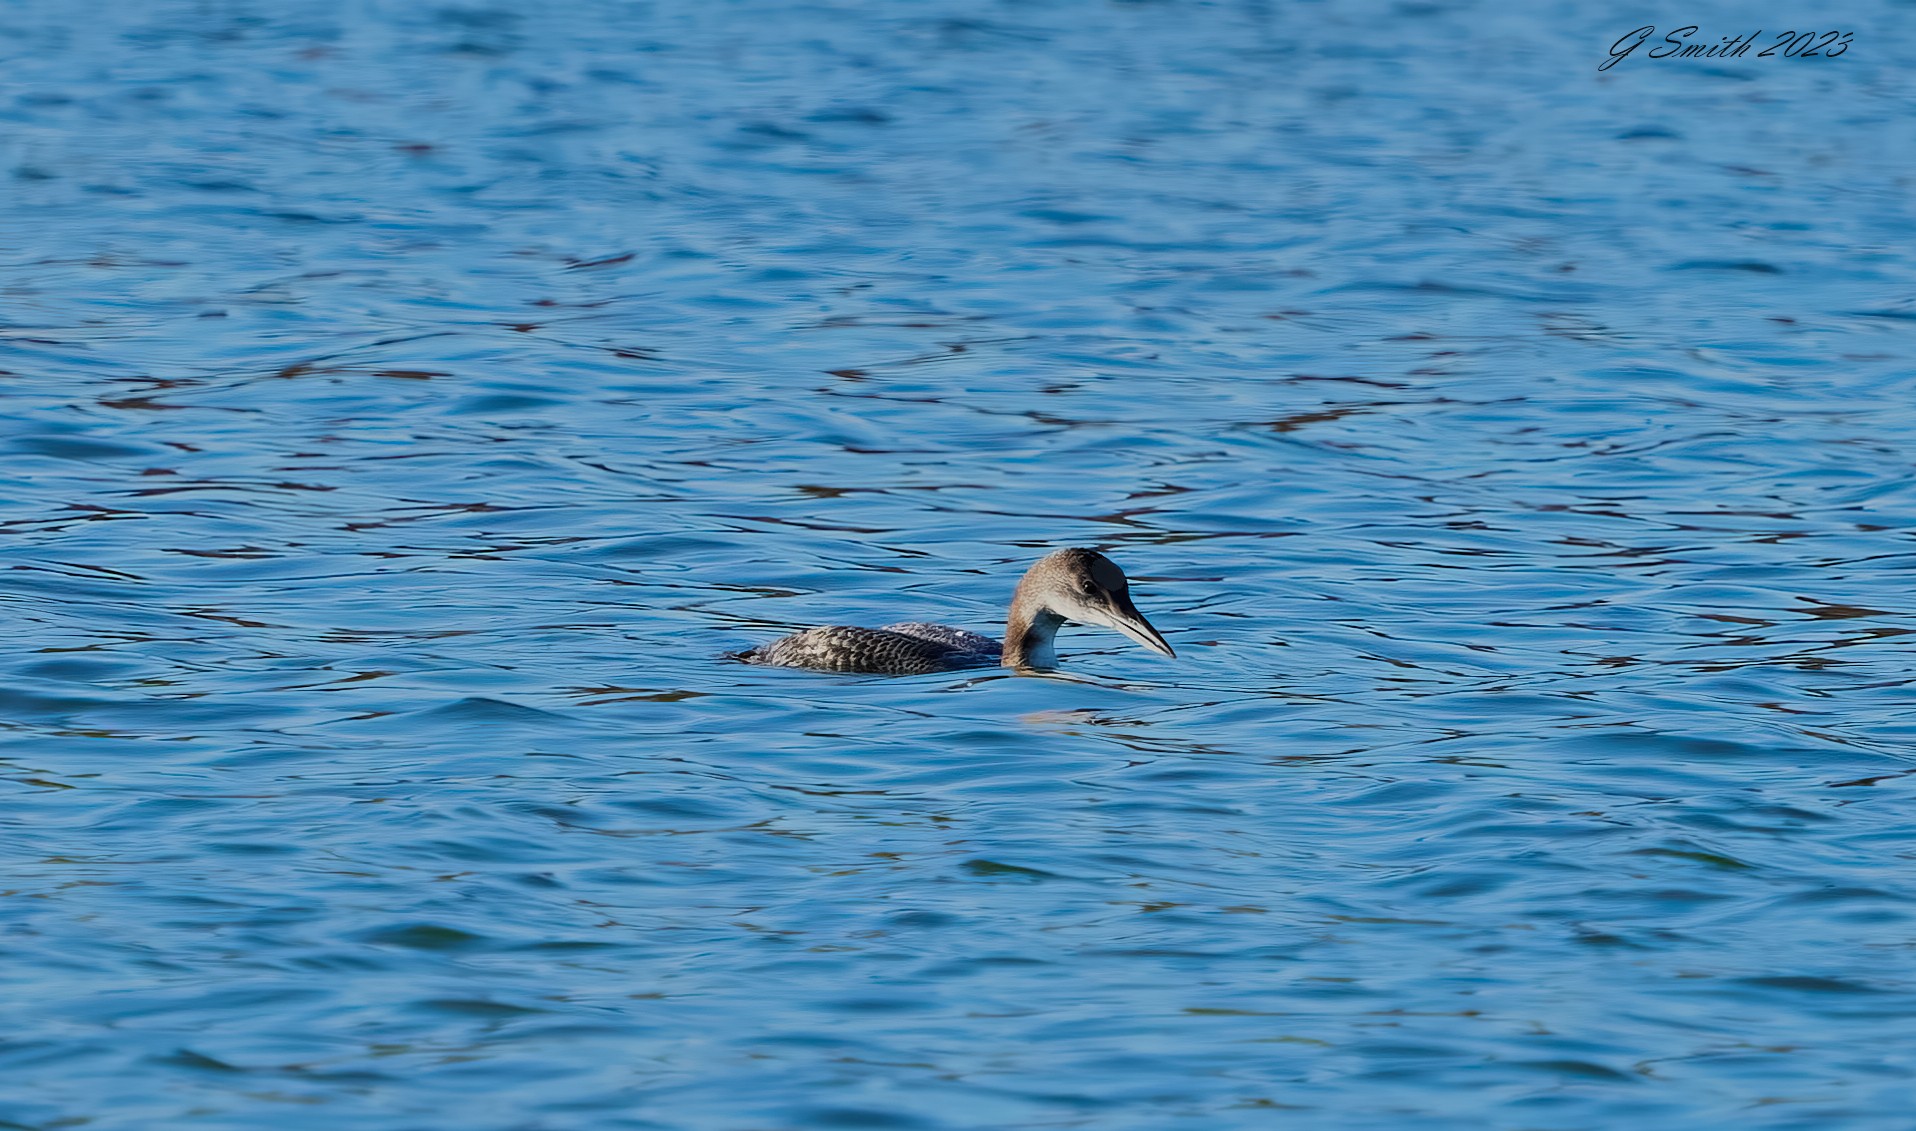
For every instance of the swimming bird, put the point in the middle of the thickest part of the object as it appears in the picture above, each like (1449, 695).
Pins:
(1070, 586)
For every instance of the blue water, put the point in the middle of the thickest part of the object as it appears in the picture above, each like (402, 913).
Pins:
(406, 406)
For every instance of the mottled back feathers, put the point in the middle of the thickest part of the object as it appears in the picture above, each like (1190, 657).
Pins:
(882, 651)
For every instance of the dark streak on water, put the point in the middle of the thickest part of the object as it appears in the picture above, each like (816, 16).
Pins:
(406, 405)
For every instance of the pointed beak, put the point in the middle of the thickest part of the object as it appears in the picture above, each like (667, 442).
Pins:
(1127, 619)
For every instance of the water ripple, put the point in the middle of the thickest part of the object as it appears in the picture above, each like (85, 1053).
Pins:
(410, 408)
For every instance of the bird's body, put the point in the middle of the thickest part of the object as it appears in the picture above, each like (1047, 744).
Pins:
(1069, 585)
(887, 651)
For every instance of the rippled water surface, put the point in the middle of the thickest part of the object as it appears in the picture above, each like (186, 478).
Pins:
(407, 406)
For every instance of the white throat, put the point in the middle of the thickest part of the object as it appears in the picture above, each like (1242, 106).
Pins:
(1038, 651)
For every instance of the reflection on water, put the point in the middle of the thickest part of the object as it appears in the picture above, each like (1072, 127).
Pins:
(409, 405)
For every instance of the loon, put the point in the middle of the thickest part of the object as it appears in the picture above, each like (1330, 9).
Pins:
(1076, 585)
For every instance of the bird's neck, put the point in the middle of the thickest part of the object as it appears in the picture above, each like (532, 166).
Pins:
(1028, 633)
